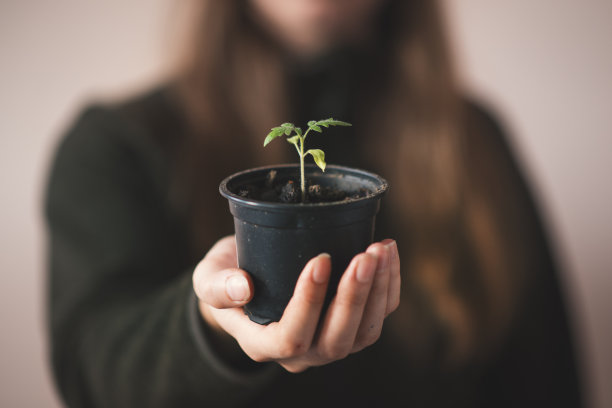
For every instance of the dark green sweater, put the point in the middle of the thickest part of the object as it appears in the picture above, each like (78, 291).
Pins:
(125, 331)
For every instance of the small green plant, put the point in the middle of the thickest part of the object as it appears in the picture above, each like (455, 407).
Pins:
(298, 140)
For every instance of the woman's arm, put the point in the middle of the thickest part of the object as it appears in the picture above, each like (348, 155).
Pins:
(532, 361)
(121, 302)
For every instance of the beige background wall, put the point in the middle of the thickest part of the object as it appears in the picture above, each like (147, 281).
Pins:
(545, 65)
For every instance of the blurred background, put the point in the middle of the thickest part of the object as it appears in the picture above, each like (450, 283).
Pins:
(545, 67)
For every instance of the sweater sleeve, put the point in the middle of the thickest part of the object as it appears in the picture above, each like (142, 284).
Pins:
(536, 356)
(124, 329)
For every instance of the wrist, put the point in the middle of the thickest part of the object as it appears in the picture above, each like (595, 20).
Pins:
(224, 345)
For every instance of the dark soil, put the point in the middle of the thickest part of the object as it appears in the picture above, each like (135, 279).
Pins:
(288, 191)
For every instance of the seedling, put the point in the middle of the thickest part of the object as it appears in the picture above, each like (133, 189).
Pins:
(298, 140)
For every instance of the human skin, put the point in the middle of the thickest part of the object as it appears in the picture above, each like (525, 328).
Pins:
(309, 27)
(368, 292)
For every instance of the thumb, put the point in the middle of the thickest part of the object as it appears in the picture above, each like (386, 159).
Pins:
(222, 289)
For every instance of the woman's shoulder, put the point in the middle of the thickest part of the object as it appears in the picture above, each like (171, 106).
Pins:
(113, 140)
(144, 124)
(482, 119)
(486, 138)
(156, 112)
(152, 113)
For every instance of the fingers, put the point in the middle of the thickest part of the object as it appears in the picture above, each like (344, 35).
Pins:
(299, 321)
(375, 309)
(296, 328)
(218, 282)
(343, 318)
(395, 280)
(223, 253)
(368, 291)
(223, 289)
(292, 336)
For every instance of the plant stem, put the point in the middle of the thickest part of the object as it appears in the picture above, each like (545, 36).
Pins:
(302, 142)
(302, 168)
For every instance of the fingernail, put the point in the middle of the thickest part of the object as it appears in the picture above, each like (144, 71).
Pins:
(320, 275)
(364, 272)
(237, 288)
(392, 247)
(385, 261)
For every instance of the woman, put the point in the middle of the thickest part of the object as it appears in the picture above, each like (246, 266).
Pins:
(132, 206)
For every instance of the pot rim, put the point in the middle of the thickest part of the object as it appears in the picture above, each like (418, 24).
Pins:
(382, 187)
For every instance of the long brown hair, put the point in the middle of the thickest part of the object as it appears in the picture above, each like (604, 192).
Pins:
(234, 84)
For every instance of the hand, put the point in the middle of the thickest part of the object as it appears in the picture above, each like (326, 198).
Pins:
(368, 291)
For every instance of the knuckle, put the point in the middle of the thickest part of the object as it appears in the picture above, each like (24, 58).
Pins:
(312, 297)
(368, 339)
(290, 348)
(393, 306)
(358, 347)
(376, 247)
(204, 293)
(196, 280)
(353, 299)
(253, 353)
(334, 352)
(203, 287)
(294, 368)
(257, 357)
(291, 345)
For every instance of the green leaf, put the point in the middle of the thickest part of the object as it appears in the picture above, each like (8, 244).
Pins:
(287, 128)
(318, 156)
(312, 122)
(274, 133)
(332, 122)
(294, 140)
(317, 128)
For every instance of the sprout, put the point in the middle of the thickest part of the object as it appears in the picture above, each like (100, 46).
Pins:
(298, 139)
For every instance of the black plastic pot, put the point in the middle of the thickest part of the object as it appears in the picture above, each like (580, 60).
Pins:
(275, 240)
